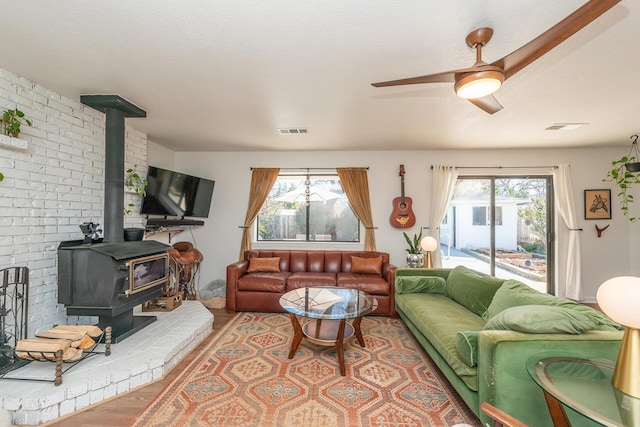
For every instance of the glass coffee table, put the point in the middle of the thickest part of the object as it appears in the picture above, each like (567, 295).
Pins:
(328, 308)
(585, 386)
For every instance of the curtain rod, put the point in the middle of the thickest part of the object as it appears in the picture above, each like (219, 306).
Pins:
(503, 167)
(311, 169)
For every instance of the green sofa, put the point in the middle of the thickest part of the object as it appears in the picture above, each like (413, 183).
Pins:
(480, 331)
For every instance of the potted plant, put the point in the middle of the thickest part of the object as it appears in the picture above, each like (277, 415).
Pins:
(11, 122)
(133, 183)
(625, 174)
(415, 257)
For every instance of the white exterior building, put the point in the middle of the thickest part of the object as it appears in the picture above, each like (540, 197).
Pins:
(468, 220)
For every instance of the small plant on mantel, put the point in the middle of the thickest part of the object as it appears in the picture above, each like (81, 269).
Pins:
(626, 173)
(11, 122)
(134, 183)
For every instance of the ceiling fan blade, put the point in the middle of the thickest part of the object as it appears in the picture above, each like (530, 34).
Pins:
(445, 77)
(517, 60)
(488, 103)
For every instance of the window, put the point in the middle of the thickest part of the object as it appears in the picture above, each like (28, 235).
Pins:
(313, 208)
(518, 243)
(481, 215)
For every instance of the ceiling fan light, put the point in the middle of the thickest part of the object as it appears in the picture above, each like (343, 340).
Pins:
(479, 84)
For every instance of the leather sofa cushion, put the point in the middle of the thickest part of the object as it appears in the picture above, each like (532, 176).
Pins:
(366, 265)
(264, 282)
(298, 262)
(373, 284)
(310, 279)
(266, 265)
(333, 262)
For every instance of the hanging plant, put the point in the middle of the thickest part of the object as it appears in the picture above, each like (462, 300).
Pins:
(625, 174)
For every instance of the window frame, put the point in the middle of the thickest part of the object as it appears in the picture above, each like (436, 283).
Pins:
(309, 237)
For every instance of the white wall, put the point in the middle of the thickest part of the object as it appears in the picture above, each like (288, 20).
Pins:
(52, 186)
(219, 239)
(160, 156)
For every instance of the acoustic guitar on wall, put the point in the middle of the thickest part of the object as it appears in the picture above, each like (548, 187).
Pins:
(402, 215)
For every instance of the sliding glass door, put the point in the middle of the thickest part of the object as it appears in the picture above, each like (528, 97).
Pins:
(500, 225)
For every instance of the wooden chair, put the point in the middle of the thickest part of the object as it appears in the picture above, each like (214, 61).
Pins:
(500, 418)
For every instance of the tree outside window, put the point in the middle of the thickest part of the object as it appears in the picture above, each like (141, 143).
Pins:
(318, 211)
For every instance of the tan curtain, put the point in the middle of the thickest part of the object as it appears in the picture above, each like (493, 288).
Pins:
(356, 185)
(262, 179)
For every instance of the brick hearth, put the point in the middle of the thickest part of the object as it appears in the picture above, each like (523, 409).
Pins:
(138, 360)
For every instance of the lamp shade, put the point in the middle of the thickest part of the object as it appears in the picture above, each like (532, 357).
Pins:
(479, 84)
(619, 298)
(429, 244)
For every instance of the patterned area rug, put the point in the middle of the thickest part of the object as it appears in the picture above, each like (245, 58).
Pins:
(244, 378)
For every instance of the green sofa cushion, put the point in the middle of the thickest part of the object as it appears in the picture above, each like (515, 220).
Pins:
(467, 346)
(418, 284)
(439, 319)
(472, 289)
(513, 293)
(542, 319)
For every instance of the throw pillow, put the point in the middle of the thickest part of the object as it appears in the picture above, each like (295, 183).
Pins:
(264, 265)
(542, 319)
(366, 265)
(467, 345)
(472, 289)
(514, 293)
(420, 284)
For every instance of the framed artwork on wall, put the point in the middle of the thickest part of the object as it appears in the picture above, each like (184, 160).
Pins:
(597, 204)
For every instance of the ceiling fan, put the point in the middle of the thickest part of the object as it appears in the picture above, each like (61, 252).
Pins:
(478, 83)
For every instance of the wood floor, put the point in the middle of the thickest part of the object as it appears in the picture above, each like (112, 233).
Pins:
(123, 410)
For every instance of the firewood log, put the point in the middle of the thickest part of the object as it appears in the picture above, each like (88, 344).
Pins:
(63, 334)
(30, 348)
(91, 330)
(72, 354)
(85, 343)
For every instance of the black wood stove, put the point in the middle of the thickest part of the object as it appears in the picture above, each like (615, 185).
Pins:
(109, 277)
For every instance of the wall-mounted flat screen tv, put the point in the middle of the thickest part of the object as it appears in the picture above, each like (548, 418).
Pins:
(172, 193)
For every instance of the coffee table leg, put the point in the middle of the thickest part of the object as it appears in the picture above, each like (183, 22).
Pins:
(558, 416)
(297, 335)
(340, 347)
(358, 331)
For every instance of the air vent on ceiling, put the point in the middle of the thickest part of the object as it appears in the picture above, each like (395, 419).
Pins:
(566, 126)
(285, 131)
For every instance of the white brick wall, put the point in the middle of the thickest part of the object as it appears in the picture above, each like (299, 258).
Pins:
(53, 185)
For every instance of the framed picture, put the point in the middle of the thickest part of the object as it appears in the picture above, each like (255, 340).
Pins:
(597, 204)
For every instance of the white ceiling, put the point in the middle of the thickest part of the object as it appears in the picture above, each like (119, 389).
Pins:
(223, 75)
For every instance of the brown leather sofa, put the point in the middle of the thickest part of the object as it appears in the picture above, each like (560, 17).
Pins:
(261, 290)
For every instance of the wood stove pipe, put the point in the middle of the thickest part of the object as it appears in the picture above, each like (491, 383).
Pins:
(116, 109)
